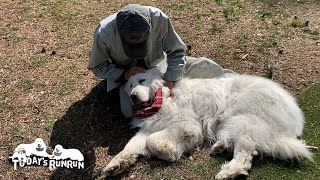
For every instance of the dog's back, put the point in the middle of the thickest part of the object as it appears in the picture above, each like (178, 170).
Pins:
(267, 99)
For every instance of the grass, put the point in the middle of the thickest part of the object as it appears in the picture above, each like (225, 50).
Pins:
(233, 11)
(312, 32)
(298, 23)
(50, 94)
(304, 26)
(310, 103)
(180, 6)
(230, 13)
(49, 124)
(242, 39)
(39, 61)
(270, 42)
(31, 84)
(216, 28)
(219, 2)
(199, 26)
(19, 129)
(2, 102)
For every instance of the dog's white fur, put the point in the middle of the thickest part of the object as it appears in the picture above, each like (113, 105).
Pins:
(60, 153)
(247, 114)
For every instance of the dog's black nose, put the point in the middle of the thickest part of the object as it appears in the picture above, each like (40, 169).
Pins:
(134, 97)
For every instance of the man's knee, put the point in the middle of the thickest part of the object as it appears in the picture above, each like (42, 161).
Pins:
(202, 68)
(125, 103)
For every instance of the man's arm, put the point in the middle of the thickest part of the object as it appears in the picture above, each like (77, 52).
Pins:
(175, 50)
(100, 63)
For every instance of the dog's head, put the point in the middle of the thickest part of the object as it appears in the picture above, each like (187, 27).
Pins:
(21, 154)
(58, 150)
(21, 151)
(143, 86)
(40, 145)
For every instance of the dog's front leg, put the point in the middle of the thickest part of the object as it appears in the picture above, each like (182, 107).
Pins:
(128, 156)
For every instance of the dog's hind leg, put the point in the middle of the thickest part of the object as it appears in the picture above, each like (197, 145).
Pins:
(162, 144)
(240, 164)
(128, 156)
(169, 144)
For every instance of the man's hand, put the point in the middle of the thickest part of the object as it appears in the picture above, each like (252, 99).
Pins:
(169, 84)
(132, 71)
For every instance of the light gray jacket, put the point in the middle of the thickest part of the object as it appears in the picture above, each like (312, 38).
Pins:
(108, 60)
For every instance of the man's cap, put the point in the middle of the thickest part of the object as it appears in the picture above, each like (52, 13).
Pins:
(133, 23)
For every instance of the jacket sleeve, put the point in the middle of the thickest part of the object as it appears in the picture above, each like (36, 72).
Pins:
(100, 63)
(175, 50)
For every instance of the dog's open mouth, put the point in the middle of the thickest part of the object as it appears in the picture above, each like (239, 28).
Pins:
(57, 153)
(143, 103)
(39, 148)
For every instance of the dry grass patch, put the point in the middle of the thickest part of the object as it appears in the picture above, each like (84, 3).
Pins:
(47, 92)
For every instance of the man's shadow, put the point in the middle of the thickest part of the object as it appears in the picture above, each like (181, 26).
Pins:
(94, 121)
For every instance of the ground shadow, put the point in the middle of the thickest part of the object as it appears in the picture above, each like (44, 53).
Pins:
(94, 121)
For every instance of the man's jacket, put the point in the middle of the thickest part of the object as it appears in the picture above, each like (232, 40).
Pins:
(108, 60)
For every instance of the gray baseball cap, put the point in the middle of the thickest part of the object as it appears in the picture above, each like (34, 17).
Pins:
(133, 22)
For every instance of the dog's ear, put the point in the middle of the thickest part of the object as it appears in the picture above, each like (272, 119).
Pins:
(156, 84)
(166, 92)
(21, 150)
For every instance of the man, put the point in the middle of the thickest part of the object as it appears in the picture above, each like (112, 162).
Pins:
(138, 38)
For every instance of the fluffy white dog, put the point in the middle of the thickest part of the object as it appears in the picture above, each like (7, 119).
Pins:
(60, 153)
(247, 114)
(20, 154)
(37, 148)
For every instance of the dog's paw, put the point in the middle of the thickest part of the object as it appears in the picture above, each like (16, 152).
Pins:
(217, 148)
(112, 169)
(230, 174)
(233, 169)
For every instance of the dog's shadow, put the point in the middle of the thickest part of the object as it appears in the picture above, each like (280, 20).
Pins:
(95, 121)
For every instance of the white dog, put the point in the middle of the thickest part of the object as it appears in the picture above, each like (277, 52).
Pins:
(60, 153)
(41, 148)
(37, 148)
(247, 114)
(20, 154)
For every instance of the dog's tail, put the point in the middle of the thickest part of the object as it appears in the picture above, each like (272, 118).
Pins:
(291, 148)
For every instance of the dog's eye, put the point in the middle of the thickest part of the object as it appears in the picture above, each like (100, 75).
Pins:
(141, 81)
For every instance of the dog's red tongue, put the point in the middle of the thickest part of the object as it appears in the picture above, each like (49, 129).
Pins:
(142, 111)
